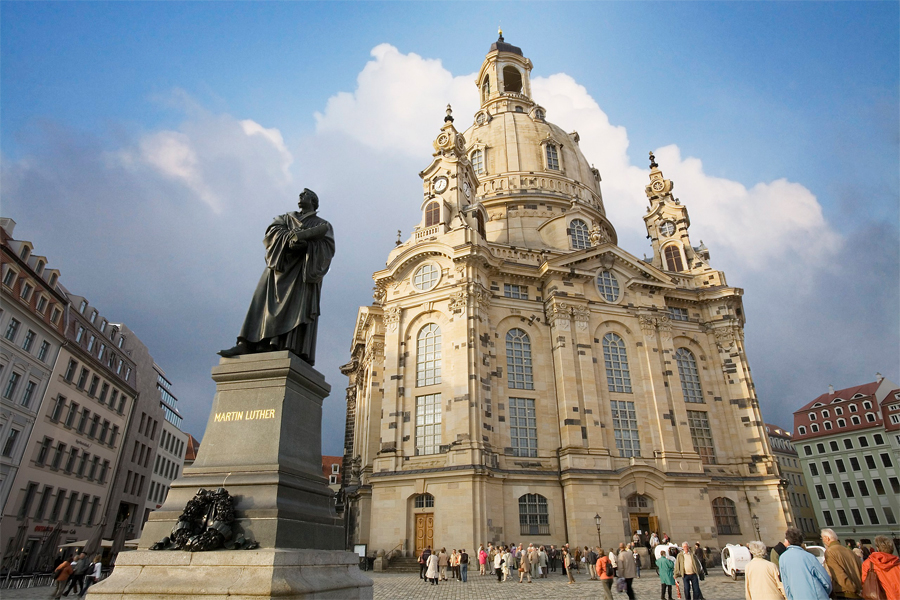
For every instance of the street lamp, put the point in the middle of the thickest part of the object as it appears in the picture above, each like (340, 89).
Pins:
(597, 519)
(755, 520)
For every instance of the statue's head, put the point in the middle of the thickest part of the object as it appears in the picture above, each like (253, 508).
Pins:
(310, 197)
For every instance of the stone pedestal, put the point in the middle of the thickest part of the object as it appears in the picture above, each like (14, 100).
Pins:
(263, 445)
(235, 575)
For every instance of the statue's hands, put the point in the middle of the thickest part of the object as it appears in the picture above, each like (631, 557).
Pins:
(296, 243)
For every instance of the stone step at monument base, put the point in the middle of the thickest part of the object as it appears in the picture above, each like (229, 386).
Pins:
(235, 575)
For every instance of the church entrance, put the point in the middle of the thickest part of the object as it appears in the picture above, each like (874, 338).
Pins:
(424, 531)
(641, 516)
(643, 522)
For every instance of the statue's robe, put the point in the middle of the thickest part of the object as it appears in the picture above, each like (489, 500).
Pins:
(285, 307)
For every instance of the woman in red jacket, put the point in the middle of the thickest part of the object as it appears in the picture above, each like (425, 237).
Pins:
(884, 566)
(605, 580)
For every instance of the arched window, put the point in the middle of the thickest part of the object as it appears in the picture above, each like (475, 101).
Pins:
(842, 423)
(552, 157)
(432, 214)
(479, 223)
(424, 501)
(578, 233)
(638, 501)
(426, 277)
(518, 360)
(485, 89)
(618, 378)
(478, 161)
(690, 378)
(533, 516)
(855, 420)
(608, 286)
(725, 516)
(512, 80)
(428, 356)
(673, 259)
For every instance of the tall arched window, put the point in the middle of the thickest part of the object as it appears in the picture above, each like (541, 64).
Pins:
(428, 356)
(485, 89)
(479, 223)
(534, 519)
(690, 377)
(552, 157)
(725, 516)
(432, 214)
(518, 360)
(673, 259)
(617, 376)
(478, 161)
(578, 233)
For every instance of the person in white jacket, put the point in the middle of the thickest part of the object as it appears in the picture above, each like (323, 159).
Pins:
(432, 573)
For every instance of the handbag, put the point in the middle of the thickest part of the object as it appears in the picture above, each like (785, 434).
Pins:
(872, 589)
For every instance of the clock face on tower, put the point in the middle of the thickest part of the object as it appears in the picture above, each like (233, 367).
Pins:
(440, 184)
(658, 186)
(667, 228)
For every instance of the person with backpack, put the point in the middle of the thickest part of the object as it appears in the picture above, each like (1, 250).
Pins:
(607, 574)
(93, 575)
(62, 573)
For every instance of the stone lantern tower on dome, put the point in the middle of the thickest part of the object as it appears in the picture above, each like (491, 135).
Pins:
(515, 360)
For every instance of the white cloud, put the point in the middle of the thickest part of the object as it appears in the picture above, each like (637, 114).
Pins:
(274, 137)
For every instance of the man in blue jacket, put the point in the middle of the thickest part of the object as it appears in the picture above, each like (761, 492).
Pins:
(802, 575)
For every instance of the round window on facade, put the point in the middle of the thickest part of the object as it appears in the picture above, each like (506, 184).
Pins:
(608, 286)
(426, 277)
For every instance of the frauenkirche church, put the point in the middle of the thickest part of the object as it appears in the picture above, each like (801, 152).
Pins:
(519, 373)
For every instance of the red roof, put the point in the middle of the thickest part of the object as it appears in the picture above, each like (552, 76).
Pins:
(892, 399)
(193, 446)
(866, 389)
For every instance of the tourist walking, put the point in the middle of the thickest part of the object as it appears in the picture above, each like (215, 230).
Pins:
(552, 556)
(482, 559)
(689, 569)
(590, 559)
(93, 575)
(80, 567)
(498, 564)
(666, 570)
(463, 566)
(626, 569)
(637, 559)
(701, 558)
(454, 564)
(543, 561)
(443, 563)
(568, 561)
(607, 574)
(843, 566)
(423, 562)
(62, 573)
(801, 574)
(762, 581)
(433, 573)
(524, 566)
(884, 567)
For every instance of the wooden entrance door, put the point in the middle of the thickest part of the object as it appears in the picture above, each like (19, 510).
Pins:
(642, 522)
(424, 531)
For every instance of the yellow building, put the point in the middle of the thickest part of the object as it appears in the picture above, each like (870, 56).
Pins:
(803, 512)
(519, 373)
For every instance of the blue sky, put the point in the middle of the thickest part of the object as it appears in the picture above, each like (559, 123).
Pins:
(125, 126)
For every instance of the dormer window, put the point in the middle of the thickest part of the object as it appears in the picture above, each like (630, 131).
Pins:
(39, 268)
(432, 214)
(83, 306)
(25, 252)
(512, 80)
(539, 114)
(552, 157)
(673, 259)
(93, 317)
(53, 279)
(121, 340)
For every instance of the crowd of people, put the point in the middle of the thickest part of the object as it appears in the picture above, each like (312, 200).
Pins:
(790, 572)
(76, 575)
(786, 572)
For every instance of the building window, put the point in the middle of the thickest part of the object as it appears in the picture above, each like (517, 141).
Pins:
(523, 427)
(673, 258)
(827, 425)
(43, 450)
(814, 428)
(863, 442)
(485, 89)
(618, 377)
(518, 360)
(802, 431)
(863, 488)
(820, 492)
(678, 314)
(889, 515)
(725, 516)
(886, 460)
(879, 486)
(552, 157)
(701, 435)
(825, 414)
(878, 439)
(838, 411)
(855, 420)
(608, 286)
(689, 375)
(43, 350)
(848, 489)
(10, 445)
(842, 517)
(840, 465)
(579, 235)
(11, 385)
(10, 278)
(432, 214)
(426, 277)
(826, 466)
(29, 341)
(813, 416)
(54, 316)
(867, 405)
(870, 417)
(533, 516)
(626, 429)
(857, 516)
(828, 520)
(428, 355)
(478, 161)
(26, 291)
(854, 463)
(12, 329)
(519, 292)
(833, 489)
(80, 334)
(30, 491)
(841, 422)
(479, 223)
(428, 424)
(424, 501)
(870, 461)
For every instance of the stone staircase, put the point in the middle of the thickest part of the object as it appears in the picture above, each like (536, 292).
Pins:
(404, 564)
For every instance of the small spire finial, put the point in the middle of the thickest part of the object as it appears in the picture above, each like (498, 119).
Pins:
(500, 33)
(449, 117)
(399, 240)
(653, 164)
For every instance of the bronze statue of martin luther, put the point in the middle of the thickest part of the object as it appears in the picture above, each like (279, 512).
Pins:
(285, 307)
